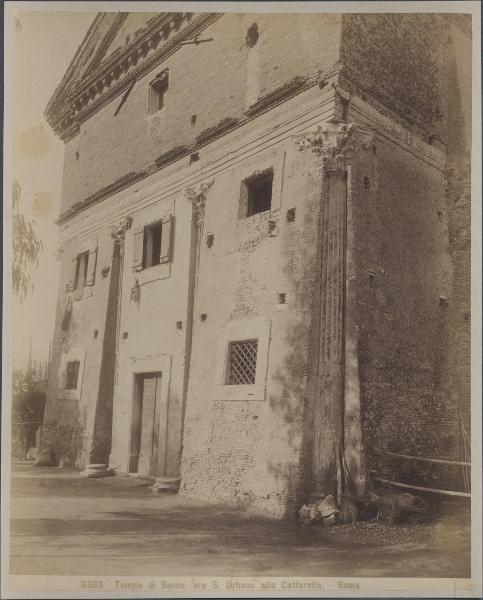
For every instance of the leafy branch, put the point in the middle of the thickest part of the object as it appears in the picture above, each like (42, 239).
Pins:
(26, 249)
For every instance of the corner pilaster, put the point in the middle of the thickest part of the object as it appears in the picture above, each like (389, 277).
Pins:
(336, 145)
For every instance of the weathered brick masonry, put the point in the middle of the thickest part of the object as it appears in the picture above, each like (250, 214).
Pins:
(354, 282)
(214, 89)
(413, 247)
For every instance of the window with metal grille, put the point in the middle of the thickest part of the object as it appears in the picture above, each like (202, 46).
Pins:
(242, 362)
(72, 374)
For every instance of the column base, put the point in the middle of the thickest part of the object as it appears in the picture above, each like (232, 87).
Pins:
(166, 484)
(93, 471)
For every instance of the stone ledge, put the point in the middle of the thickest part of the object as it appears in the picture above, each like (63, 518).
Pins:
(166, 484)
(94, 471)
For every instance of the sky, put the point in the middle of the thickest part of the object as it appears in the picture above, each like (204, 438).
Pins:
(44, 45)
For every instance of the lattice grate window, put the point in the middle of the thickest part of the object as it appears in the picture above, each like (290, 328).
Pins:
(242, 362)
(72, 375)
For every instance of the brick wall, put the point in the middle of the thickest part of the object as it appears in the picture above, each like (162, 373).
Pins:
(393, 58)
(148, 327)
(254, 452)
(458, 112)
(423, 82)
(403, 275)
(209, 81)
(258, 452)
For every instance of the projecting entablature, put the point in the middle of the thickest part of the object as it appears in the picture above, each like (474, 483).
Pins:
(99, 72)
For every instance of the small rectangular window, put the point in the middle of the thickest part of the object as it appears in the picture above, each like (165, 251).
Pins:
(157, 90)
(81, 270)
(152, 245)
(256, 194)
(72, 375)
(242, 362)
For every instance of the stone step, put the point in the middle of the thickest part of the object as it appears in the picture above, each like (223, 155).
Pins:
(97, 470)
(149, 478)
(166, 484)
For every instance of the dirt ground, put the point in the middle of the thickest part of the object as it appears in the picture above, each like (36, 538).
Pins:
(64, 524)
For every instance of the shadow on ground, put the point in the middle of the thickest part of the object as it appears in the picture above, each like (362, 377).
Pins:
(64, 524)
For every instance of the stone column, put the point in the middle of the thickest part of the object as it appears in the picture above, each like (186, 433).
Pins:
(333, 143)
(196, 195)
(102, 433)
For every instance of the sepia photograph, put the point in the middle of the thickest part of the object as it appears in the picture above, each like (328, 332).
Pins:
(242, 299)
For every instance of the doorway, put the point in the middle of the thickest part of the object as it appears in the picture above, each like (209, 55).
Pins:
(149, 426)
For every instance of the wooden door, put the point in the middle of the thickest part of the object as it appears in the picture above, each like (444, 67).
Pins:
(149, 433)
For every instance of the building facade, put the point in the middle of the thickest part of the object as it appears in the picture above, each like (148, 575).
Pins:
(265, 251)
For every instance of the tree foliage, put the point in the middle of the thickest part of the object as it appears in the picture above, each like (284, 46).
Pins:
(26, 249)
(28, 399)
(28, 403)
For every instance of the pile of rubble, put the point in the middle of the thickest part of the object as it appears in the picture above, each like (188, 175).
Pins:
(383, 502)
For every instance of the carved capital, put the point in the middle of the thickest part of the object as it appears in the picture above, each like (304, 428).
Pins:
(333, 142)
(196, 194)
(118, 232)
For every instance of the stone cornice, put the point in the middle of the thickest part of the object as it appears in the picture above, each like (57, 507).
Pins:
(101, 30)
(281, 126)
(352, 83)
(108, 190)
(230, 124)
(222, 127)
(171, 156)
(291, 88)
(111, 77)
(107, 39)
